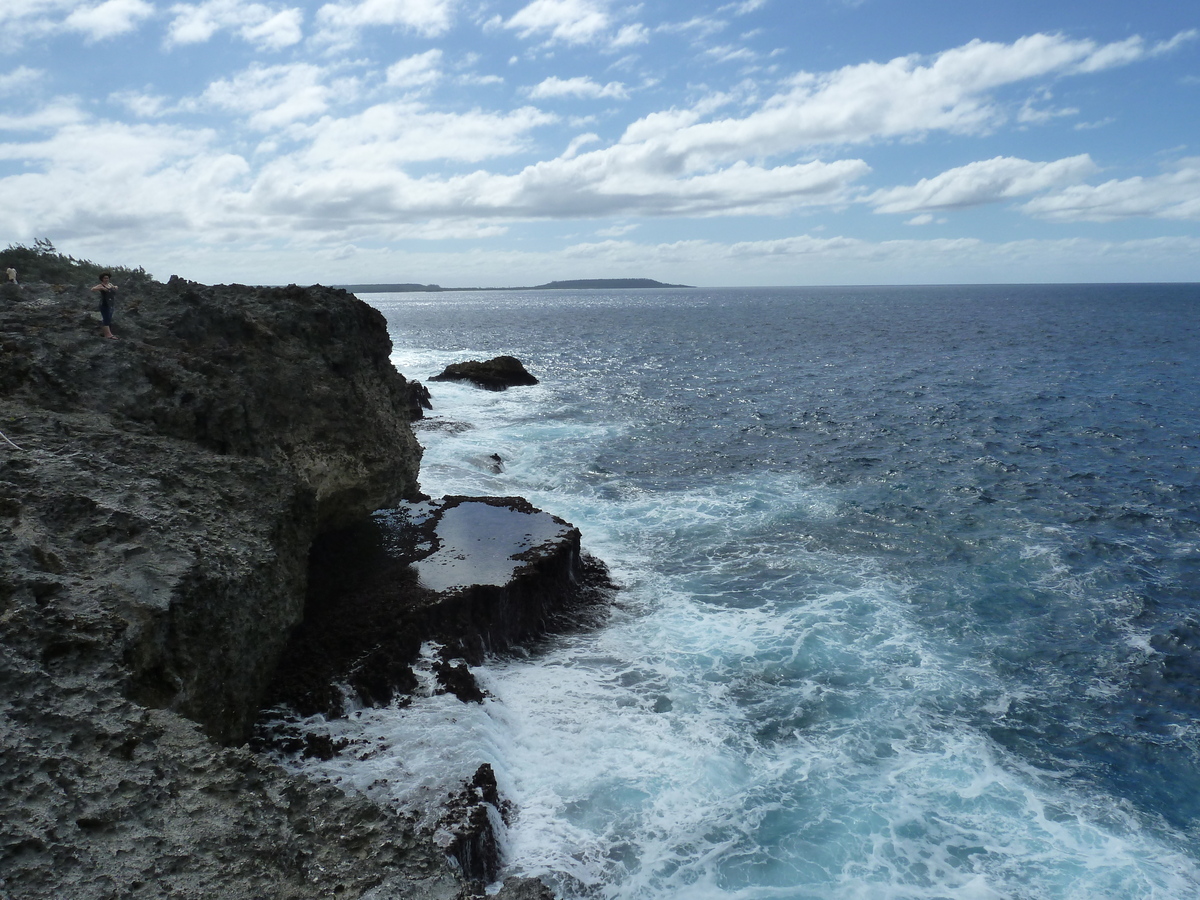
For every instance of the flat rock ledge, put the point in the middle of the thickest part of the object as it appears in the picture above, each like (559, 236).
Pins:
(497, 374)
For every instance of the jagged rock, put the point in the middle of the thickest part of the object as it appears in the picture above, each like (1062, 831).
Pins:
(468, 830)
(300, 377)
(419, 400)
(183, 471)
(496, 374)
(523, 889)
(456, 678)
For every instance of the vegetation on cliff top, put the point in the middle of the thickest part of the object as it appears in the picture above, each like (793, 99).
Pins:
(43, 262)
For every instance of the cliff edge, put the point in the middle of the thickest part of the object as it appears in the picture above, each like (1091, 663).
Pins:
(156, 515)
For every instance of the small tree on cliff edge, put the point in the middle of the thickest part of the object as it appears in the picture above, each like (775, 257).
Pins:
(43, 262)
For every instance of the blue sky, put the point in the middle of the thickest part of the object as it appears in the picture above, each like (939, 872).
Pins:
(480, 142)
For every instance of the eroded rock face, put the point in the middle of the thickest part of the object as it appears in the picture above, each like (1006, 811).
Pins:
(154, 537)
(496, 374)
(180, 473)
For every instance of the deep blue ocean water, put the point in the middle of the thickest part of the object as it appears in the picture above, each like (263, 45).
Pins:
(911, 601)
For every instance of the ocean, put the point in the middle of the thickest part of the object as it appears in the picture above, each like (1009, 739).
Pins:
(910, 590)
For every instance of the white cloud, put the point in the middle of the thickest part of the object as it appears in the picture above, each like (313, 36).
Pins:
(730, 53)
(142, 105)
(282, 29)
(109, 19)
(341, 22)
(1031, 114)
(272, 96)
(987, 181)
(809, 259)
(905, 97)
(617, 230)
(578, 87)
(28, 14)
(115, 179)
(568, 21)
(269, 27)
(471, 78)
(371, 145)
(337, 180)
(58, 113)
(416, 71)
(700, 26)
(637, 181)
(1168, 46)
(743, 8)
(1172, 195)
(630, 35)
(578, 142)
(406, 169)
(19, 79)
(957, 259)
(801, 259)
(1130, 50)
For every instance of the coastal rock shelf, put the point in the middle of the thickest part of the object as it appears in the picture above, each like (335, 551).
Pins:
(474, 574)
(159, 498)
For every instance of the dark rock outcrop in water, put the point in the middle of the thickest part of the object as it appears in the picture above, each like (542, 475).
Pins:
(496, 374)
(155, 528)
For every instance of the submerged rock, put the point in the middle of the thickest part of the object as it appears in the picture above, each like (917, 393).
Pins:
(496, 374)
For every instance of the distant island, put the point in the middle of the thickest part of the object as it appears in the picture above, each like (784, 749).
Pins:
(583, 283)
(572, 285)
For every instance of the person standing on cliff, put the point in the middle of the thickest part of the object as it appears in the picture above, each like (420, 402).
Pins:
(108, 292)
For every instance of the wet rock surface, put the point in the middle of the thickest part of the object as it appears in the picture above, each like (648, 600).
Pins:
(467, 831)
(497, 374)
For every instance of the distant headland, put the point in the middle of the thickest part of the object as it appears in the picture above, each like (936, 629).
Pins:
(572, 285)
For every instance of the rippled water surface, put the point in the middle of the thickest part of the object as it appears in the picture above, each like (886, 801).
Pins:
(911, 583)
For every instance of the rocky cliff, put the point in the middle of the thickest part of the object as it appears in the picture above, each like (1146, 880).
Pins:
(158, 500)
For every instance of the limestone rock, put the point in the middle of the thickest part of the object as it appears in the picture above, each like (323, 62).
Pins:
(155, 534)
(154, 537)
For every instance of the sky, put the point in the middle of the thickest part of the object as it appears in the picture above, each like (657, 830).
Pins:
(491, 143)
